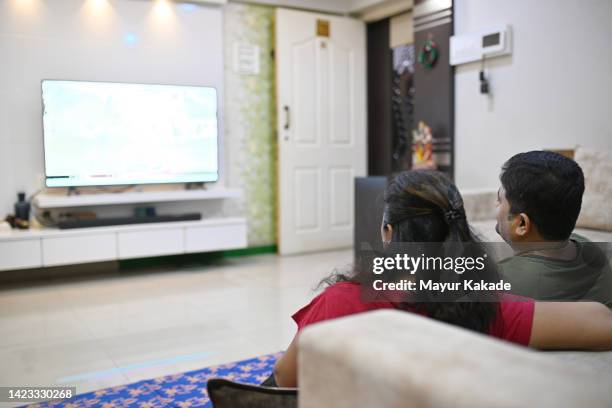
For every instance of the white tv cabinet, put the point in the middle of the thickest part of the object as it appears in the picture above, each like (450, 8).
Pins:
(35, 248)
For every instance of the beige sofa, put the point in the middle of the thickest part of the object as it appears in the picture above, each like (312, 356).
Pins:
(396, 359)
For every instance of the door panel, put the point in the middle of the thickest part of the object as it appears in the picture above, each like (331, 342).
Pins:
(307, 189)
(342, 78)
(321, 128)
(304, 99)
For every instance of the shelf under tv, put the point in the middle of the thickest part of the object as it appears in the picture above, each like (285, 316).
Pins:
(218, 230)
(50, 200)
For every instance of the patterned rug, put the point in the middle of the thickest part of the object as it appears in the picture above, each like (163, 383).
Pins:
(180, 390)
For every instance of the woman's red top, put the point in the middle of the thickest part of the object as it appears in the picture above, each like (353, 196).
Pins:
(513, 322)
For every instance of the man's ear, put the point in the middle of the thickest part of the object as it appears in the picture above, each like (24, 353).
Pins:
(387, 232)
(522, 225)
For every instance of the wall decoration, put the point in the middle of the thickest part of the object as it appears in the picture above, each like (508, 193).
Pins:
(428, 55)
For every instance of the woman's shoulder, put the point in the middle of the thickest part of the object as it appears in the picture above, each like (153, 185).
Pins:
(515, 319)
(344, 296)
(337, 300)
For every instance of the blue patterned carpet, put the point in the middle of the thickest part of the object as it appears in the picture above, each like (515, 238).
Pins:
(179, 390)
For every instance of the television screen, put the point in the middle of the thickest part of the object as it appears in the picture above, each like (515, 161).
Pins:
(98, 133)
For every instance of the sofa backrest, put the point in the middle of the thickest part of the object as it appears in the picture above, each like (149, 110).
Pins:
(389, 359)
(596, 209)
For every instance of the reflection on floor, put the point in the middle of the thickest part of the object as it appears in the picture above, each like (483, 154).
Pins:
(96, 333)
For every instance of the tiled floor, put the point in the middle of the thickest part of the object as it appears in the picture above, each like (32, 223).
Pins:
(95, 333)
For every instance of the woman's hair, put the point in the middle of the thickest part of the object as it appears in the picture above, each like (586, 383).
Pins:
(424, 206)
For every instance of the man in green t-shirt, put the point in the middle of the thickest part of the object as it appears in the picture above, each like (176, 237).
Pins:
(538, 204)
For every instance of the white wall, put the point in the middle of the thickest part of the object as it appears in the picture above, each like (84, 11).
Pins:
(555, 91)
(90, 40)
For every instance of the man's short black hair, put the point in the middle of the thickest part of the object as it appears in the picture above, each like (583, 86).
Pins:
(546, 186)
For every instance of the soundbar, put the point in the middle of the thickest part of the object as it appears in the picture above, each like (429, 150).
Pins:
(105, 222)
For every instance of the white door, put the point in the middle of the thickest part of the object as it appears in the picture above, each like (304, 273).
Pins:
(321, 86)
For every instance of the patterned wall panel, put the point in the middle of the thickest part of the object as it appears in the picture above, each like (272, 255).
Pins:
(250, 117)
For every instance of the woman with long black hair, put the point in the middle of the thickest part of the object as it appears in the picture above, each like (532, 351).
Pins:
(426, 207)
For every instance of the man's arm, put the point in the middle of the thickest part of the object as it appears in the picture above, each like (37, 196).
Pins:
(571, 325)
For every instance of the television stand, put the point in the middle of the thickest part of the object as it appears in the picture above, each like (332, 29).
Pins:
(218, 230)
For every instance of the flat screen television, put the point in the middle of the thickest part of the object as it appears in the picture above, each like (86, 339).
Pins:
(101, 133)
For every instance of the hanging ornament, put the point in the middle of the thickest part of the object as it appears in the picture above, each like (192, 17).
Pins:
(428, 54)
